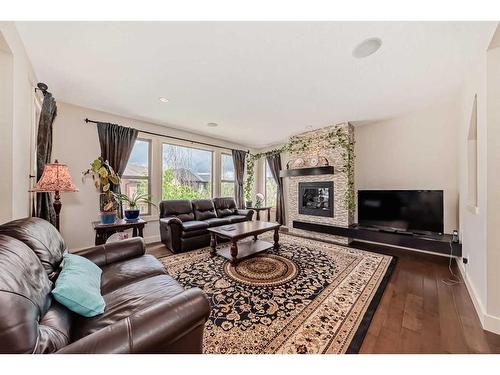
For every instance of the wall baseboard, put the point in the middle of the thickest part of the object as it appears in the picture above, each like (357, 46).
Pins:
(152, 239)
(488, 322)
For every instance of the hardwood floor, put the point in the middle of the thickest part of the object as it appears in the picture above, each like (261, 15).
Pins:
(418, 313)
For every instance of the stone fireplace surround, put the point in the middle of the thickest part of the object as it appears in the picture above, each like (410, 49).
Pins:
(342, 216)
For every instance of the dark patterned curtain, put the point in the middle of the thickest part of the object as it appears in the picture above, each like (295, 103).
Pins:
(239, 171)
(44, 207)
(274, 162)
(116, 144)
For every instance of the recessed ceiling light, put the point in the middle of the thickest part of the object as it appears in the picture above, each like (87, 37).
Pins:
(212, 124)
(367, 47)
(163, 100)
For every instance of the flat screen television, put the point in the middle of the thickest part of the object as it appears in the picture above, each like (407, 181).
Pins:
(417, 211)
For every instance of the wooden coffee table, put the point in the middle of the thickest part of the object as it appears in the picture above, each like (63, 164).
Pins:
(242, 249)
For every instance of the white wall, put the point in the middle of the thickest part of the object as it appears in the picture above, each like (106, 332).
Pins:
(493, 187)
(414, 151)
(6, 76)
(17, 101)
(472, 221)
(76, 144)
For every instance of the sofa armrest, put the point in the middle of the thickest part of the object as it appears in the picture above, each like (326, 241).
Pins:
(114, 251)
(168, 220)
(247, 213)
(155, 329)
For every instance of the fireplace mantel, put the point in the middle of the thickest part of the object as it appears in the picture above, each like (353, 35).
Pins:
(315, 171)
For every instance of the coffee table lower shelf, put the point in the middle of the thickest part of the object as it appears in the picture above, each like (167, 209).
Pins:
(245, 249)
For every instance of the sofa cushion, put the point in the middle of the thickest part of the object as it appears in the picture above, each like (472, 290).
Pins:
(78, 286)
(118, 274)
(42, 238)
(225, 206)
(217, 221)
(236, 218)
(189, 226)
(128, 300)
(181, 208)
(203, 209)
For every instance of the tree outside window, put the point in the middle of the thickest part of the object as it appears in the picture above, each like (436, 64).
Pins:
(271, 192)
(187, 173)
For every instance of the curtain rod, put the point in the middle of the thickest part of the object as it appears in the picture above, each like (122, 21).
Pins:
(167, 136)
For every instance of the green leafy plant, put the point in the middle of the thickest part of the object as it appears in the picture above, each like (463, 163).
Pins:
(104, 178)
(134, 200)
(173, 189)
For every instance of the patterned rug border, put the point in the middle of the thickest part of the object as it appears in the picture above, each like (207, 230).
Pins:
(364, 325)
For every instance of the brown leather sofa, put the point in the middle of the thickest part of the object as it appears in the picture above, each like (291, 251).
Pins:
(147, 311)
(184, 223)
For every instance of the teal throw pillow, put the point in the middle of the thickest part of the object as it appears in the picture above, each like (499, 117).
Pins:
(78, 286)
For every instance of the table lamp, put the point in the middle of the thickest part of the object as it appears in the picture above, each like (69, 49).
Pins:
(55, 178)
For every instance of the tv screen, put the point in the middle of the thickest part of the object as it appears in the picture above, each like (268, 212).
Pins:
(408, 210)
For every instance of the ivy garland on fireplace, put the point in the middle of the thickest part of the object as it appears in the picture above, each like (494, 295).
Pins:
(336, 137)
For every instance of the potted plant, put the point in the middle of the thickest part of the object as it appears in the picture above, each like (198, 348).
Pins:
(104, 178)
(132, 212)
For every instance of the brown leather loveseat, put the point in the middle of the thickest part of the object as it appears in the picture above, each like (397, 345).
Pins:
(184, 223)
(147, 311)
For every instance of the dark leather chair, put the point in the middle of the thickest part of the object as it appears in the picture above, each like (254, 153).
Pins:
(184, 223)
(147, 311)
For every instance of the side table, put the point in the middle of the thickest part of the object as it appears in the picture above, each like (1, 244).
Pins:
(103, 231)
(258, 209)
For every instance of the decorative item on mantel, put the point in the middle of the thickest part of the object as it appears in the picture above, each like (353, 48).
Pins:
(104, 178)
(55, 178)
(315, 161)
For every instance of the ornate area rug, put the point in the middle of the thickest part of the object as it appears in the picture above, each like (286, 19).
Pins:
(307, 297)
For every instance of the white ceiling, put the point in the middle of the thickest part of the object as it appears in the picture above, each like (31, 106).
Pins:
(260, 81)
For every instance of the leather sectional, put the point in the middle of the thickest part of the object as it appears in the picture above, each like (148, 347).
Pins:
(147, 311)
(184, 223)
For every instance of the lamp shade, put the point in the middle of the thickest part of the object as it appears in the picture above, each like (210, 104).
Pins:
(55, 177)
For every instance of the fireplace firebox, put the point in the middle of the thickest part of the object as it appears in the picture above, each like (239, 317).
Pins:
(316, 198)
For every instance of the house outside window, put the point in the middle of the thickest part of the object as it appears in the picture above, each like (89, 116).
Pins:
(137, 175)
(186, 172)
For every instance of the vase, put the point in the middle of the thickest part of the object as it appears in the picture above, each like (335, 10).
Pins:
(132, 215)
(108, 217)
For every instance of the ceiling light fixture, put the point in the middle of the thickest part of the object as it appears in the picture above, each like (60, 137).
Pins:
(367, 47)
(163, 100)
(212, 124)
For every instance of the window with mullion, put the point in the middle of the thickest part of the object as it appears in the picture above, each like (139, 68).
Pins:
(227, 176)
(137, 175)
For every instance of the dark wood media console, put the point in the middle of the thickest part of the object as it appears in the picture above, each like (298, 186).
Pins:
(433, 243)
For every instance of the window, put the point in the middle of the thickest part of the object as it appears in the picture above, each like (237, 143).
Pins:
(187, 173)
(271, 188)
(137, 176)
(227, 176)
